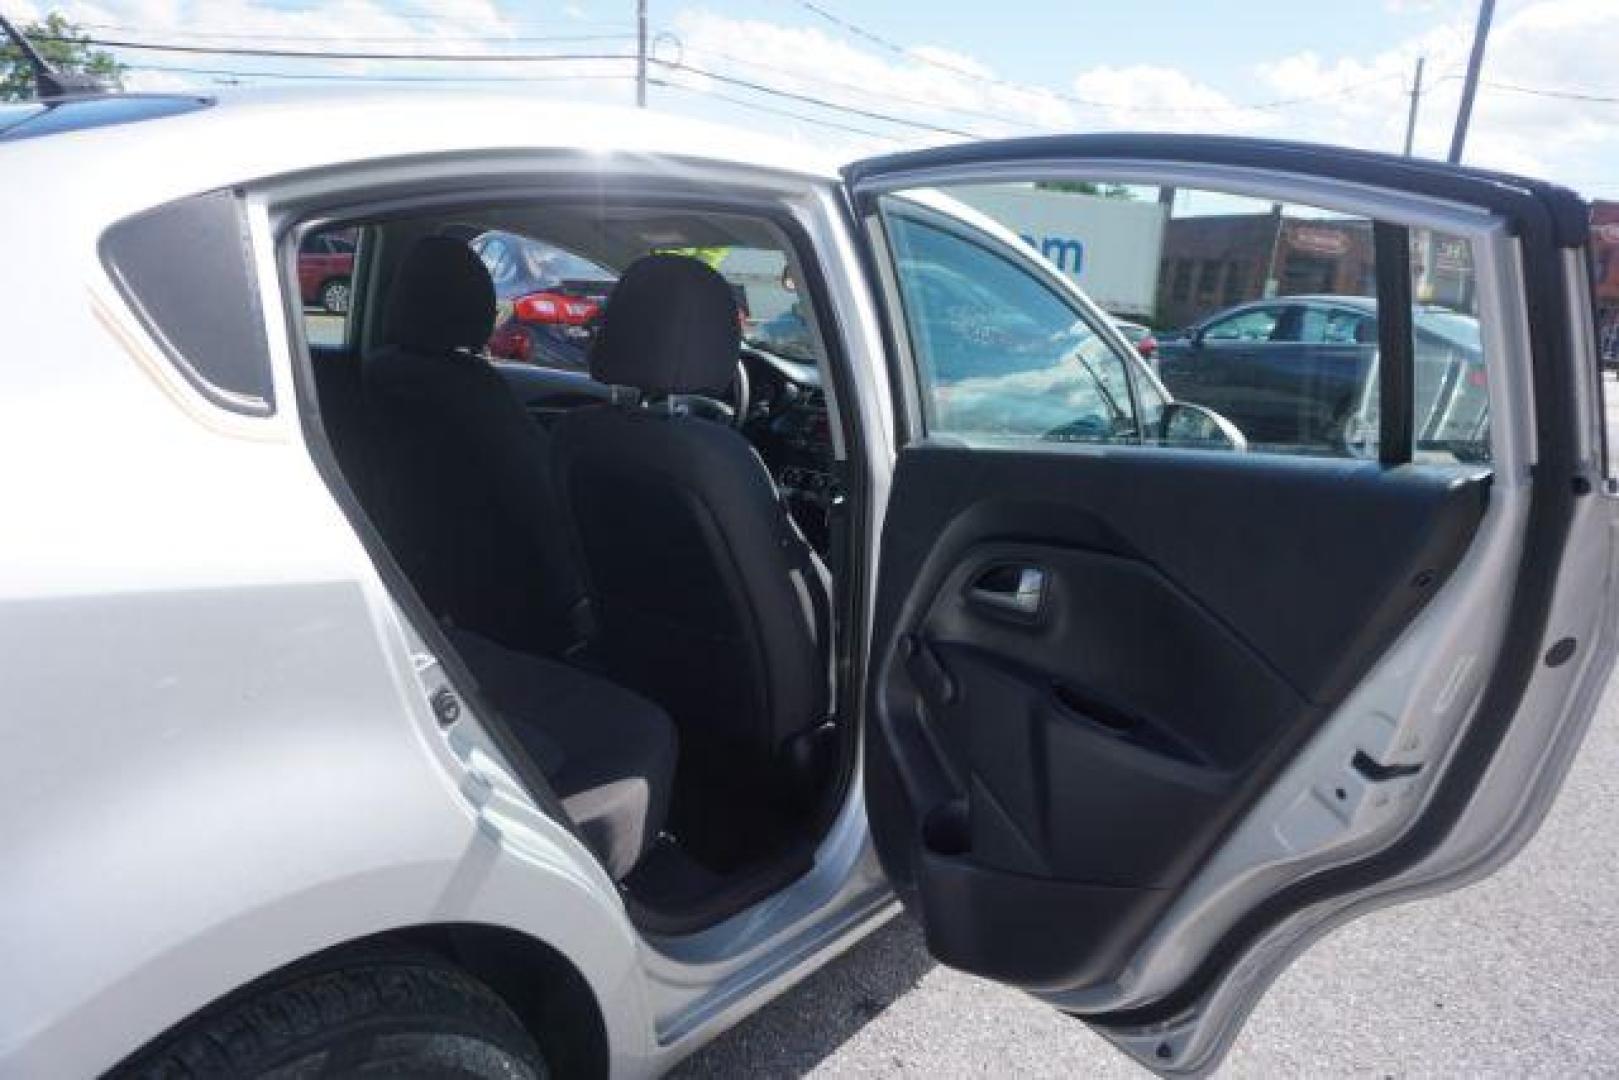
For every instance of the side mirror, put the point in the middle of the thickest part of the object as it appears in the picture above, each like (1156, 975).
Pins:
(1194, 338)
(1184, 424)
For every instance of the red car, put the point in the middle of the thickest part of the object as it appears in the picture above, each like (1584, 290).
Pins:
(326, 270)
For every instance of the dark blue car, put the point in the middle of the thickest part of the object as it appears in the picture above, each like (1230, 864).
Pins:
(549, 300)
(1300, 373)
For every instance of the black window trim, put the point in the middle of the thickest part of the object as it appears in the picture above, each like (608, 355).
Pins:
(1396, 364)
(237, 401)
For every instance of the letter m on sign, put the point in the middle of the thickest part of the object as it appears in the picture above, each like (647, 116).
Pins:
(1067, 255)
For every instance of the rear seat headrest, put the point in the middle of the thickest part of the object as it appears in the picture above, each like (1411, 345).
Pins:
(441, 299)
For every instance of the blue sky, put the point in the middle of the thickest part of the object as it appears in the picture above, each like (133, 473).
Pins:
(945, 70)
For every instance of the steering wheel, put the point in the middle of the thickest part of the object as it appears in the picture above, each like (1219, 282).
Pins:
(733, 412)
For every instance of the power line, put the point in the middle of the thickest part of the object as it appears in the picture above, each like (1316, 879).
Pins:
(361, 77)
(220, 35)
(868, 91)
(810, 99)
(856, 30)
(771, 109)
(324, 8)
(537, 57)
(1561, 95)
(333, 54)
(529, 57)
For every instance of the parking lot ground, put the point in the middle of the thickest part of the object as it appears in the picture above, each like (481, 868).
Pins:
(1515, 976)
(323, 329)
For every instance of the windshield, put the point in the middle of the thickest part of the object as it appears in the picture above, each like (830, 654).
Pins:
(559, 265)
(772, 310)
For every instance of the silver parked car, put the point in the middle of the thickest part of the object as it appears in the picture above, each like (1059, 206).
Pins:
(375, 704)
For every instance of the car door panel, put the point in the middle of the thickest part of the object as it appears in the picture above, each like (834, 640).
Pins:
(1101, 747)
(1050, 784)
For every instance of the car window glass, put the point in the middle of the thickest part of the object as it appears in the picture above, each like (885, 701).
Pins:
(770, 304)
(1001, 353)
(1450, 410)
(326, 285)
(1255, 325)
(1312, 326)
(550, 299)
(498, 256)
(1348, 328)
(1262, 311)
(547, 265)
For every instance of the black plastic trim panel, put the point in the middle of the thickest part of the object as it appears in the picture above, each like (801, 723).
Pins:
(186, 270)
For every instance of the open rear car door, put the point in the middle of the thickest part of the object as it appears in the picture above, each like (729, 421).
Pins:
(1147, 718)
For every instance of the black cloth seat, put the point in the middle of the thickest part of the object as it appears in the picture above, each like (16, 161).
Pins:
(609, 754)
(463, 485)
(707, 597)
(458, 482)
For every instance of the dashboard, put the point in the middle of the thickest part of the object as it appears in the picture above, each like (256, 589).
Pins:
(788, 423)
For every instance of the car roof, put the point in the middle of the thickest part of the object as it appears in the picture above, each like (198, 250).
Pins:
(1364, 303)
(253, 133)
(363, 113)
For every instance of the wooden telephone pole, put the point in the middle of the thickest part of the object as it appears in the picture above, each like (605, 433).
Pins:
(1416, 97)
(640, 53)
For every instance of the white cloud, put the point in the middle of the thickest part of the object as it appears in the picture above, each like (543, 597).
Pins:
(460, 27)
(1546, 44)
(1318, 95)
(1150, 97)
(937, 87)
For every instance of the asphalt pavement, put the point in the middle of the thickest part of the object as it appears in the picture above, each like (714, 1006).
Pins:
(1515, 976)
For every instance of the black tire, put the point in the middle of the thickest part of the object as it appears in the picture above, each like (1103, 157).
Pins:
(335, 296)
(408, 1017)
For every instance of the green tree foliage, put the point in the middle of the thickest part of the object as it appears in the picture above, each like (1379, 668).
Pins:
(1085, 187)
(66, 47)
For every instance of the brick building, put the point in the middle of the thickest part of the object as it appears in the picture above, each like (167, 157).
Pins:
(1605, 275)
(1214, 261)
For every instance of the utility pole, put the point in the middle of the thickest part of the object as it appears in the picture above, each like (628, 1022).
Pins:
(640, 53)
(1272, 285)
(1475, 61)
(1416, 96)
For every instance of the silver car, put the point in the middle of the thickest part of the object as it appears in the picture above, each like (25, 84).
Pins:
(375, 705)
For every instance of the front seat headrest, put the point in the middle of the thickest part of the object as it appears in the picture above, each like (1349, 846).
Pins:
(441, 299)
(670, 328)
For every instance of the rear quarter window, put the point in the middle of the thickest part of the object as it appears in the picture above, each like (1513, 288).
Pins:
(186, 270)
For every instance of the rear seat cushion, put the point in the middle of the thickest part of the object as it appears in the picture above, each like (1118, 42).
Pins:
(608, 753)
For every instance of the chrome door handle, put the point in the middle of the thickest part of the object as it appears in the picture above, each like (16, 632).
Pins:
(1019, 593)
